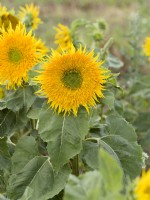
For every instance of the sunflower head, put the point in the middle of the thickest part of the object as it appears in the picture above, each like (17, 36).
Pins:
(17, 56)
(7, 18)
(63, 37)
(142, 190)
(146, 46)
(72, 79)
(29, 15)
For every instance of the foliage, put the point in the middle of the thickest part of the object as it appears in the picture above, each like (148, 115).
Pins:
(45, 154)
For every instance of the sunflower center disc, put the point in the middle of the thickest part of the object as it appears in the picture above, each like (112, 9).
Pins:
(72, 79)
(14, 55)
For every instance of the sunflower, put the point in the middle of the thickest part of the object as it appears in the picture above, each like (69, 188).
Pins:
(142, 190)
(40, 45)
(29, 15)
(146, 46)
(63, 37)
(7, 18)
(17, 56)
(70, 79)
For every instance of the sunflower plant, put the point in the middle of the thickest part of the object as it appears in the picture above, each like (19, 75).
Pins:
(62, 132)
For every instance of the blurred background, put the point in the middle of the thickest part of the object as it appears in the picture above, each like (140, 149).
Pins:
(118, 14)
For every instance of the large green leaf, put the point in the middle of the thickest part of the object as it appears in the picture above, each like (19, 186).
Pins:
(23, 96)
(63, 134)
(34, 111)
(37, 180)
(121, 137)
(7, 122)
(108, 100)
(89, 154)
(120, 141)
(11, 122)
(25, 150)
(103, 184)
(111, 172)
(86, 187)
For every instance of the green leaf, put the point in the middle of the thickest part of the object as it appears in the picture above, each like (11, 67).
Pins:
(106, 184)
(7, 122)
(122, 139)
(108, 100)
(11, 122)
(25, 150)
(37, 180)
(27, 194)
(114, 62)
(23, 96)
(111, 172)
(4, 154)
(60, 179)
(34, 111)
(2, 104)
(36, 170)
(87, 187)
(94, 121)
(3, 198)
(89, 154)
(63, 134)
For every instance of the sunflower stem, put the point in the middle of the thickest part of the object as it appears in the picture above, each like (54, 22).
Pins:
(33, 124)
(75, 165)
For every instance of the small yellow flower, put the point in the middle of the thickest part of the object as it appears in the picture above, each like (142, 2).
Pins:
(70, 79)
(142, 190)
(40, 45)
(29, 15)
(63, 37)
(146, 46)
(17, 56)
(7, 18)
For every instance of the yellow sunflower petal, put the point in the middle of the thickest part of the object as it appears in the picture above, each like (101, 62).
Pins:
(17, 56)
(3, 9)
(142, 190)
(71, 79)
(146, 46)
(40, 45)
(29, 15)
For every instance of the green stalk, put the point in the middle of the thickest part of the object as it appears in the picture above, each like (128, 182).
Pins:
(32, 121)
(75, 165)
